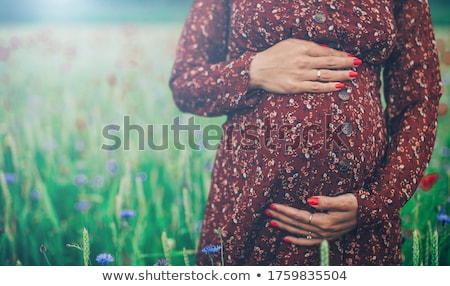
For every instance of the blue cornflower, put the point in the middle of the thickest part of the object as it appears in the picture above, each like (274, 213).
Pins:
(141, 176)
(209, 249)
(80, 180)
(127, 214)
(443, 217)
(104, 258)
(79, 146)
(113, 167)
(161, 262)
(98, 181)
(35, 195)
(10, 178)
(82, 206)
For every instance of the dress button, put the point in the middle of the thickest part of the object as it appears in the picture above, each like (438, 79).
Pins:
(344, 95)
(319, 18)
(347, 128)
(344, 165)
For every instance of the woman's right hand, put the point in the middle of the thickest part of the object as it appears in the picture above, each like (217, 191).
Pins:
(294, 65)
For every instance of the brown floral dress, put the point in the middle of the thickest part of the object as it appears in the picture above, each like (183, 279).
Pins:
(286, 148)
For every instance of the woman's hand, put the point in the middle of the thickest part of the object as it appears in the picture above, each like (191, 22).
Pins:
(294, 66)
(308, 228)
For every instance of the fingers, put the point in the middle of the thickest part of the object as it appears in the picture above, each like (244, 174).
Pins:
(314, 86)
(326, 62)
(326, 75)
(342, 203)
(302, 241)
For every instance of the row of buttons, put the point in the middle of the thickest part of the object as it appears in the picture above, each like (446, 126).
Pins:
(346, 128)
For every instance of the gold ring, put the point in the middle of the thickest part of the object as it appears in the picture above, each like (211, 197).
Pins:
(318, 74)
(310, 218)
(309, 236)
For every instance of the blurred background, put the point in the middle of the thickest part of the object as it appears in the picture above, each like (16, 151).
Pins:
(68, 68)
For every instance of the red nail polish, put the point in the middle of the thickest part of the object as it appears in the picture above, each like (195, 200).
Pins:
(340, 85)
(273, 207)
(313, 201)
(286, 240)
(353, 74)
(273, 223)
(357, 62)
(351, 56)
(267, 213)
(323, 45)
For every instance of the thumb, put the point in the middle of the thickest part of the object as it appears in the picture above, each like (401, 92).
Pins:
(345, 202)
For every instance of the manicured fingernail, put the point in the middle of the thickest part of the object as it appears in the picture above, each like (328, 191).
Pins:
(267, 213)
(286, 240)
(273, 223)
(353, 74)
(351, 56)
(313, 201)
(273, 207)
(323, 45)
(340, 85)
(357, 62)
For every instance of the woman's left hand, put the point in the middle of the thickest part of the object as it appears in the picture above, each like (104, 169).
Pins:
(307, 228)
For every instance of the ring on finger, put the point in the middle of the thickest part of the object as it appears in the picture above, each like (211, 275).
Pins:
(318, 74)
(310, 218)
(309, 236)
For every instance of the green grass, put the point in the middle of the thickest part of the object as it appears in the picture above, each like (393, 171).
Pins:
(59, 88)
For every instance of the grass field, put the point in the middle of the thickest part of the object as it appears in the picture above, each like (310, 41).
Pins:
(60, 86)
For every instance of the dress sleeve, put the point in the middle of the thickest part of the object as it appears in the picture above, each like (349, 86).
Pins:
(203, 81)
(412, 89)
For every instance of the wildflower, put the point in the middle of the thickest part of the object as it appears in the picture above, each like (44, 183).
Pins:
(98, 181)
(442, 109)
(79, 146)
(104, 258)
(112, 166)
(442, 217)
(80, 180)
(82, 206)
(428, 181)
(445, 151)
(35, 195)
(43, 248)
(210, 249)
(141, 176)
(161, 262)
(127, 214)
(10, 178)
(4, 54)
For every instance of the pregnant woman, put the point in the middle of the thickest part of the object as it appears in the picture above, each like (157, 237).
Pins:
(308, 152)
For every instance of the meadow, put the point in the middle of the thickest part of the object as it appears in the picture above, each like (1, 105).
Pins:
(64, 200)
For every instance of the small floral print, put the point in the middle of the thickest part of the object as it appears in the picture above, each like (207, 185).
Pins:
(104, 258)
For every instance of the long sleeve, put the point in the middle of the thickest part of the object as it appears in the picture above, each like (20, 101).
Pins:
(412, 90)
(203, 80)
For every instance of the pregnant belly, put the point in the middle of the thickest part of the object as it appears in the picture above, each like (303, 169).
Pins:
(323, 144)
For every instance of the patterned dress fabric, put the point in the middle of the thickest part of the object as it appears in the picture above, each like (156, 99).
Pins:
(286, 148)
